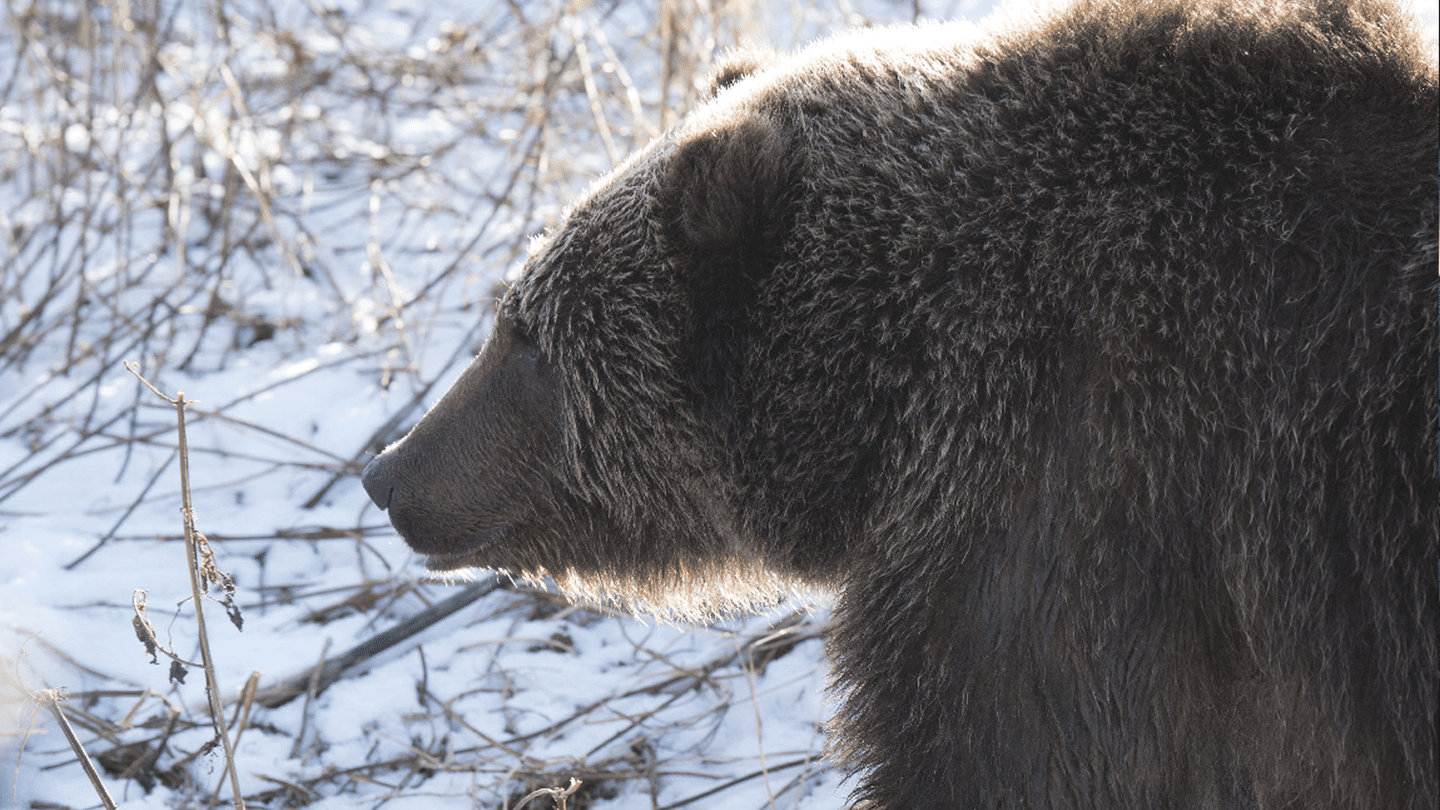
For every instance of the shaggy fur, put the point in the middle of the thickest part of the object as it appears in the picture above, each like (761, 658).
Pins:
(1091, 362)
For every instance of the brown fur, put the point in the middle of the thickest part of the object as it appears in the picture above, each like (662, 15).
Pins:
(1091, 362)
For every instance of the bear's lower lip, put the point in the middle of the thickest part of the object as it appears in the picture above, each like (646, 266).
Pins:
(450, 562)
(450, 553)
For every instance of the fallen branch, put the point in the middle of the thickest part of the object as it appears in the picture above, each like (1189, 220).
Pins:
(333, 669)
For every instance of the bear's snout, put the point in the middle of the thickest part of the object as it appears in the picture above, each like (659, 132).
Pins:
(480, 462)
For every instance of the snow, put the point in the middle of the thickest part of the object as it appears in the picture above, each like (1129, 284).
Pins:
(299, 331)
(380, 138)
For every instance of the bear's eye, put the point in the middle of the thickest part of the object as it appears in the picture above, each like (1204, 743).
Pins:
(523, 333)
(523, 340)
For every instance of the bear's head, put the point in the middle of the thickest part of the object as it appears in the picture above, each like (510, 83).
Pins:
(583, 442)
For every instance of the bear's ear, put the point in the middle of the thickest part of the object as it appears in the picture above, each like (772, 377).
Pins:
(726, 202)
(724, 190)
(736, 64)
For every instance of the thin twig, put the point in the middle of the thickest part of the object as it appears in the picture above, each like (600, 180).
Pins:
(240, 722)
(51, 698)
(310, 693)
(559, 794)
(733, 782)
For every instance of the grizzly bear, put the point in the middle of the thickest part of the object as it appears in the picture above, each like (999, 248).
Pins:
(1090, 362)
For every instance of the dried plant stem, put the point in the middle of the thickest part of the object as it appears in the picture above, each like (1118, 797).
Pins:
(192, 556)
(197, 593)
(51, 699)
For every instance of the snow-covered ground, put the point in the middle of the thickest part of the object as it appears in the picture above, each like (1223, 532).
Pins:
(298, 215)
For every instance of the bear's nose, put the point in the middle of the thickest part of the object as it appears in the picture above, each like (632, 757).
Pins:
(377, 481)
